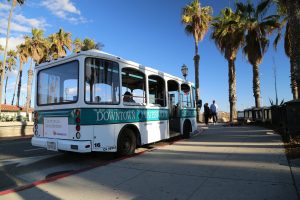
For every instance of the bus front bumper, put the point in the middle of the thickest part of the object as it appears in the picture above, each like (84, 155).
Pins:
(64, 145)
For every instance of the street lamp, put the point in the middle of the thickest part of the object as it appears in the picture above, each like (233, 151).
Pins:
(184, 71)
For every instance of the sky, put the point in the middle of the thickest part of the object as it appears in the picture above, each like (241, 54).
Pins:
(149, 32)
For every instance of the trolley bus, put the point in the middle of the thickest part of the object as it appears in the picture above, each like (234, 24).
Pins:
(94, 101)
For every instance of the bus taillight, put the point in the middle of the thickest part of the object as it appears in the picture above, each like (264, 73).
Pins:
(78, 135)
(77, 121)
(36, 114)
(77, 112)
(35, 125)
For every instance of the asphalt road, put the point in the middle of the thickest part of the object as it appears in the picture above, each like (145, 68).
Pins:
(21, 163)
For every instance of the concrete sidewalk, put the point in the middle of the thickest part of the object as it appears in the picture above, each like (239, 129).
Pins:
(221, 163)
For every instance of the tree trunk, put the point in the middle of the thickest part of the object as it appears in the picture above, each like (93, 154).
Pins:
(232, 89)
(256, 85)
(293, 7)
(5, 89)
(5, 50)
(15, 88)
(197, 84)
(293, 80)
(29, 87)
(19, 84)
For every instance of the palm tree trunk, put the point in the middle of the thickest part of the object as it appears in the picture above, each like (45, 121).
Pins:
(29, 87)
(293, 81)
(294, 21)
(5, 89)
(19, 84)
(5, 50)
(196, 63)
(232, 89)
(15, 88)
(256, 85)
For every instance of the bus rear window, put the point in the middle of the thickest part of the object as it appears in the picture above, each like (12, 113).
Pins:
(58, 85)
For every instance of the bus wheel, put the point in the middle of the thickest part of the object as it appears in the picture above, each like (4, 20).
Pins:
(186, 129)
(126, 143)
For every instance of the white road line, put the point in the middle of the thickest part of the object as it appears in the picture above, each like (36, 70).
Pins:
(34, 149)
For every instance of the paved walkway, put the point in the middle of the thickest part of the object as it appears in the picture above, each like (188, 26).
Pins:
(221, 163)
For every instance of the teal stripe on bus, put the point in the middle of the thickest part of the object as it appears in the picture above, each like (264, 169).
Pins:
(99, 116)
(188, 113)
(57, 113)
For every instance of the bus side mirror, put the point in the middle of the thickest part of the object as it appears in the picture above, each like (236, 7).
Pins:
(199, 103)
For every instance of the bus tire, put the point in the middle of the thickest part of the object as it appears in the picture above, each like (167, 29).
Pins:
(187, 128)
(126, 143)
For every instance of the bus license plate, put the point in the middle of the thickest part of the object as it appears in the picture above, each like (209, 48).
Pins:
(52, 146)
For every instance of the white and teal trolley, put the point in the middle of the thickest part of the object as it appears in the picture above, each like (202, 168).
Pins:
(94, 101)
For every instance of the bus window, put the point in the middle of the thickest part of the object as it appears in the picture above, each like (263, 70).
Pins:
(173, 93)
(133, 87)
(101, 81)
(194, 97)
(58, 85)
(186, 101)
(157, 94)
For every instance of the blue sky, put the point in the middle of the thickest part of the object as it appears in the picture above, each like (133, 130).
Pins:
(150, 33)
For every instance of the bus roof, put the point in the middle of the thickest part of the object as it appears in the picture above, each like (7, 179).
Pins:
(97, 53)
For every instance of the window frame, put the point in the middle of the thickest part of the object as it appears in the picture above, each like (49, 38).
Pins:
(190, 97)
(194, 97)
(84, 85)
(164, 91)
(145, 89)
(61, 103)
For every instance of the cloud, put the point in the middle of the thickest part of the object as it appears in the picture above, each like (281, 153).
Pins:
(13, 27)
(19, 22)
(64, 9)
(5, 7)
(39, 23)
(13, 42)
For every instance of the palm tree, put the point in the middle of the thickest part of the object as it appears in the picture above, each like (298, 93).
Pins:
(60, 43)
(36, 46)
(10, 65)
(228, 35)
(90, 44)
(196, 20)
(292, 8)
(2, 71)
(282, 11)
(78, 44)
(23, 55)
(257, 28)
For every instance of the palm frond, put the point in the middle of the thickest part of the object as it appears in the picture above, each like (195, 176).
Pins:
(262, 7)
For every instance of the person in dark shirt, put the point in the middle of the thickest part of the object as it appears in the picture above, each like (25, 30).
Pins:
(206, 113)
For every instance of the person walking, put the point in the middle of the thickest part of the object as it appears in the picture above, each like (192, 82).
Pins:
(214, 111)
(206, 113)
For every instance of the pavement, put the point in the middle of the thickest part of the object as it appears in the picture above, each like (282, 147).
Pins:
(242, 162)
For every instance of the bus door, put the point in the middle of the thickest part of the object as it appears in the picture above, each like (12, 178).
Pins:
(174, 119)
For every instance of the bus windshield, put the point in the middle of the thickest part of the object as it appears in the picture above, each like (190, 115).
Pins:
(58, 85)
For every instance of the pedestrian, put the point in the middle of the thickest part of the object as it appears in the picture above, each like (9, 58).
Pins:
(214, 111)
(206, 113)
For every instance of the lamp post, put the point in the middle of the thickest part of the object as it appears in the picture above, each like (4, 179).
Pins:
(184, 71)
